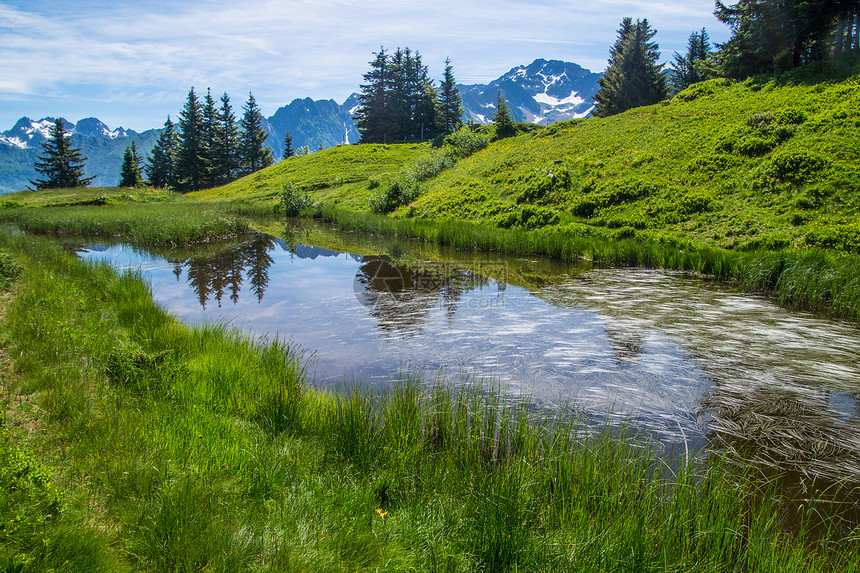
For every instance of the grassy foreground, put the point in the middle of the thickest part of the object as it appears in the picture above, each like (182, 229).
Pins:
(133, 442)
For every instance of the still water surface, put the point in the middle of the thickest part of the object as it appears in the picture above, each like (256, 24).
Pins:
(688, 360)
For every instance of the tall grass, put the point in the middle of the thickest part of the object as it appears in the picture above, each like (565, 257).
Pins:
(813, 280)
(183, 448)
(153, 224)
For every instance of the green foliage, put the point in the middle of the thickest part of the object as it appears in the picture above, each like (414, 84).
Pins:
(130, 174)
(502, 118)
(293, 201)
(464, 142)
(9, 270)
(399, 192)
(633, 78)
(60, 163)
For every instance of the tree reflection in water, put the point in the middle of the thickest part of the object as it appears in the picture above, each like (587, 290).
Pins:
(401, 297)
(212, 276)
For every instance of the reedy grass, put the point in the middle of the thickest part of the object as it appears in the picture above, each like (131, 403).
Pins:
(813, 280)
(184, 448)
(153, 224)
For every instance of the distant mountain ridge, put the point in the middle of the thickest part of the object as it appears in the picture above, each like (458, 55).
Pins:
(544, 92)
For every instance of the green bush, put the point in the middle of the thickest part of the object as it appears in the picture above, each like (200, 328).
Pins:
(400, 192)
(293, 201)
(464, 142)
(430, 166)
(795, 166)
(9, 270)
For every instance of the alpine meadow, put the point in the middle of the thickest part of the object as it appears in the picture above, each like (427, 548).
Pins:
(135, 438)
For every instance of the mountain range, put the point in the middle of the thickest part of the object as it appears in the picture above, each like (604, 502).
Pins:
(544, 92)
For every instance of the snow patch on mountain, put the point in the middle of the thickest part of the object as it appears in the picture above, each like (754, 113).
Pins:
(13, 141)
(547, 99)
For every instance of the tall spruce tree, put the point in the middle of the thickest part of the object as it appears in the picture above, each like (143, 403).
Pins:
(692, 67)
(398, 100)
(633, 78)
(289, 151)
(208, 140)
(502, 118)
(60, 163)
(450, 104)
(225, 151)
(130, 172)
(774, 35)
(253, 152)
(161, 167)
(371, 117)
(190, 163)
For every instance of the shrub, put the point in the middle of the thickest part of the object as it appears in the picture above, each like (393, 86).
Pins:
(795, 166)
(293, 201)
(430, 166)
(9, 270)
(464, 142)
(400, 192)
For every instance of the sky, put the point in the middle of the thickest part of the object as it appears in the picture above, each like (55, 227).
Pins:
(131, 63)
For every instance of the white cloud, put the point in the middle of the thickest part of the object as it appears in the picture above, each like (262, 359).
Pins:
(148, 52)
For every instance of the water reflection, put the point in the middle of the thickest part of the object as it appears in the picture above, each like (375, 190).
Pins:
(691, 362)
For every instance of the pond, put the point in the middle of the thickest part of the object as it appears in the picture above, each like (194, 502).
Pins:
(691, 362)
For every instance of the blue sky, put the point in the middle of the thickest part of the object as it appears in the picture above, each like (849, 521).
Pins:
(131, 63)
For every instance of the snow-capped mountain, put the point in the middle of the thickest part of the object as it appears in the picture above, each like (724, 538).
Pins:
(27, 133)
(103, 147)
(544, 92)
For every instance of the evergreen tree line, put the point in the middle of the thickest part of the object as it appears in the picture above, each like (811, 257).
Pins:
(777, 35)
(767, 36)
(398, 101)
(208, 147)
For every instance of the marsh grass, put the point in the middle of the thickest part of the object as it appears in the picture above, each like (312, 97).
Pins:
(180, 448)
(151, 224)
(813, 280)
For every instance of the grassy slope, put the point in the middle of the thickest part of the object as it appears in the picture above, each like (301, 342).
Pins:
(684, 169)
(336, 175)
(170, 448)
(766, 164)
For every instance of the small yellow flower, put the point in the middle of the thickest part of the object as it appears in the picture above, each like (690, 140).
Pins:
(381, 513)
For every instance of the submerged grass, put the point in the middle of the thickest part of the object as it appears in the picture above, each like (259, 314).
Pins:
(179, 448)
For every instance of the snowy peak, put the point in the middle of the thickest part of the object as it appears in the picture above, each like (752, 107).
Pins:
(92, 127)
(27, 133)
(545, 91)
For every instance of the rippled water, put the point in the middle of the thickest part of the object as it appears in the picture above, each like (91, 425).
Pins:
(689, 360)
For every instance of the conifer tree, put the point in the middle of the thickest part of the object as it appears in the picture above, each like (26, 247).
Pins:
(288, 146)
(161, 167)
(691, 67)
(225, 152)
(253, 152)
(208, 140)
(398, 100)
(130, 172)
(371, 117)
(774, 35)
(633, 78)
(502, 117)
(190, 163)
(450, 104)
(60, 163)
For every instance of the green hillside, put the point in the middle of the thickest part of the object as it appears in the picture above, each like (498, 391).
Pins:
(767, 163)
